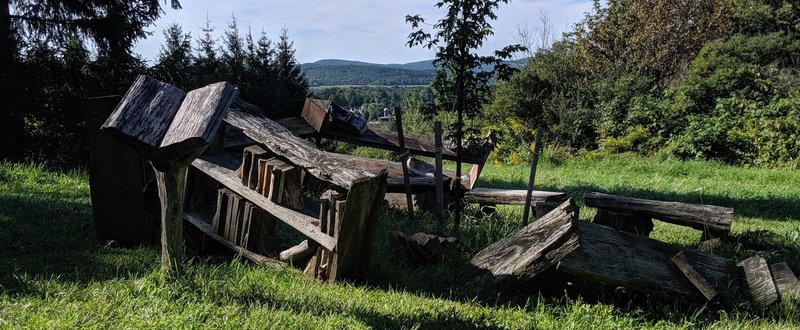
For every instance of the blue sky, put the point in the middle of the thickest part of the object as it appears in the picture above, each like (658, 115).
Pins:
(363, 30)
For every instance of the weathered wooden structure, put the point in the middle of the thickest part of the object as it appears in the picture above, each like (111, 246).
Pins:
(238, 201)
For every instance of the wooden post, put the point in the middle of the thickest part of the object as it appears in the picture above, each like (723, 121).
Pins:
(439, 205)
(404, 159)
(171, 186)
(536, 149)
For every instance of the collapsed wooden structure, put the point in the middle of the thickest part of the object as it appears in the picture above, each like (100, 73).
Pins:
(619, 254)
(239, 200)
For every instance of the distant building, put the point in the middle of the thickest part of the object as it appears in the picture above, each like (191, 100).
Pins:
(387, 113)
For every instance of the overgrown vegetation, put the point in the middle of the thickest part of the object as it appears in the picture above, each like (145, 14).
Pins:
(54, 274)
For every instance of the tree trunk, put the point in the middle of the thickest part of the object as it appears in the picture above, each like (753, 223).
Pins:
(5, 34)
(170, 191)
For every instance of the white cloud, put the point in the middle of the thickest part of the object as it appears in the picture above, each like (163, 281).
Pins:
(366, 30)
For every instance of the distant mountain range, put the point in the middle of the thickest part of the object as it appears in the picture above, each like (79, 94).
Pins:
(343, 72)
(332, 72)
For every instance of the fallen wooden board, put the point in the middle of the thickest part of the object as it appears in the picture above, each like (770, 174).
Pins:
(682, 262)
(785, 280)
(221, 167)
(759, 278)
(507, 196)
(716, 220)
(198, 219)
(323, 165)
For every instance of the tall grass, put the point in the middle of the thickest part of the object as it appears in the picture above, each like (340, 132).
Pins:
(53, 274)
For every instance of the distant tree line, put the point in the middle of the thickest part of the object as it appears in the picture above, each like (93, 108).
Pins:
(55, 54)
(366, 75)
(709, 79)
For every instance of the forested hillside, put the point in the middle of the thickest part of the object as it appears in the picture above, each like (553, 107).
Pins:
(328, 73)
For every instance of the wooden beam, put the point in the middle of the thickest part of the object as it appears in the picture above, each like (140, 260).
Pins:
(198, 219)
(785, 280)
(529, 195)
(323, 165)
(221, 167)
(515, 197)
(715, 220)
(299, 251)
(682, 262)
(171, 193)
(759, 279)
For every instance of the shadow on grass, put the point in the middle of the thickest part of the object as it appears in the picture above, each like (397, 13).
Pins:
(770, 208)
(50, 235)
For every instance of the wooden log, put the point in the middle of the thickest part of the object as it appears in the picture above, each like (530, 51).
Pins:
(171, 192)
(298, 252)
(221, 167)
(636, 224)
(644, 265)
(438, 205)
(505, 196)
(519, 257)
(323, 165)
(682, 262)
(715, 220)
(529, 195)
(785, 280)
(198, 219)
(759, 279)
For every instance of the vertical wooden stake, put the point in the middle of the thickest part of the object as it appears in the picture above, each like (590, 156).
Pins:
(536, 150)
(171, 186)
(437, 209)
(404, 159)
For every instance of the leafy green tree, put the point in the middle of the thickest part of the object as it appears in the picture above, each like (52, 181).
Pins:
(460, 83)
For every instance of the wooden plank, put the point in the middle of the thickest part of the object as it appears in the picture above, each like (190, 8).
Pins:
(715, 220)
(297, 125)
(221, 167)
(643, 264)
(785, 280)
(519, 257)
(529, 193)
(438, 207)
(221, 212)
(682, 262)
(637, 224)
(197, 219)
(323, 165)
(506, 196)
(398, 115)
(356, 227)
(759, 279)
(315, 113)
(292, 191)
(250, 158)
(263, 237)
(145, 113)
(299, 251)
(116, 181)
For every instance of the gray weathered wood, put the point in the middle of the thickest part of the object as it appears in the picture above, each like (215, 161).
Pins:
(438, 207)
(299, 251)
(197, 219)
(759, 279)
(195, 124)
(221, 212)
(506, 196)
(715, 220)
(643, 264)
(398, 114)
(221, 167)
(170, 191)
(529, 195)
(785, 280)
(145, 113)
(519, 257)
(682, 262)
(323, 165)
(637, 224)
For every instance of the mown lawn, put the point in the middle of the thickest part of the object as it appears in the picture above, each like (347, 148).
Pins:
(53, 273)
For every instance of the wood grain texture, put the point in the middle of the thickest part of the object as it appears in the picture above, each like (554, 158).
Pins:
(299, 251)
(221, 167)
(712, 219)
(643, 264)
(519, 257)
(199, 220)
(507, 196)
(682, 262)
(759, 279)
(196, 121)
(145, 113)
(355, 229)
(637, 224)
(785, 280)
(171, 186)
(323, 165)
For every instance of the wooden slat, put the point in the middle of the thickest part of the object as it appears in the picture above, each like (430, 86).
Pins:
(221, 167)
(197, 219)
(507, 196)
(680, 260)
(297, 126)
(323, 165)
(299, 251)
(785, 280)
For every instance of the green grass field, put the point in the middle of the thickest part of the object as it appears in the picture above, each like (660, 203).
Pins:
(53, 273)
